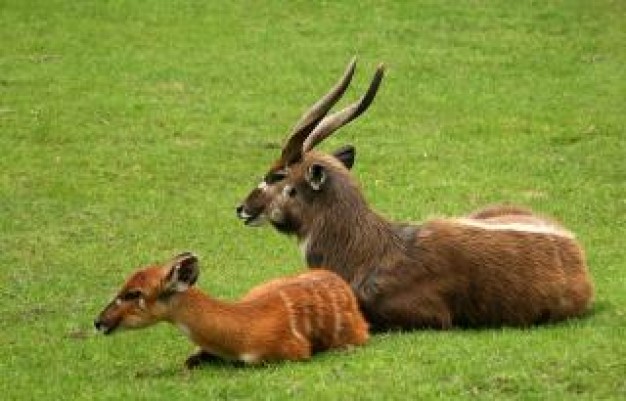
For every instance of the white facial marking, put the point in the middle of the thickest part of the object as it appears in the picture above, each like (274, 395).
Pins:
(118, 301)
(286, 190)
(142, 303)
(547, 229)
(262, 186)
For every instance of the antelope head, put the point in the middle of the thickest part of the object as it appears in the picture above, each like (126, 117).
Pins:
(303, 179)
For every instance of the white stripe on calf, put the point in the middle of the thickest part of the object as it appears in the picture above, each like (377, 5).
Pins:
(292, 316)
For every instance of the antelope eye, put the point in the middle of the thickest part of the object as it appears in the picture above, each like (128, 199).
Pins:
(291, 192)
(275, 176)
(131, 295)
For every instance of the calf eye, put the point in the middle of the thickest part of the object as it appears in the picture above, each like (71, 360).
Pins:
(131, 295)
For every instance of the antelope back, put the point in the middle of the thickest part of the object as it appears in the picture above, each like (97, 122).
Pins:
(321, 308)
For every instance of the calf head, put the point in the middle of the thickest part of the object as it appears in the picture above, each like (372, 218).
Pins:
(142, 301)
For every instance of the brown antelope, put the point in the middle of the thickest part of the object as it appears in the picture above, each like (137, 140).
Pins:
(500, 266)
(288, 318)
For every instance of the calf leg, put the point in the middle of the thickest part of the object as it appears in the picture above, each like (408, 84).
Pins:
(200, 357)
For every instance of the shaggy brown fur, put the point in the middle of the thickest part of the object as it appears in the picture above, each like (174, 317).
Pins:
(503, 265)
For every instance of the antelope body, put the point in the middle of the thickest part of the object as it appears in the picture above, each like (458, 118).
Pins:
(503, 265)
(288, 318)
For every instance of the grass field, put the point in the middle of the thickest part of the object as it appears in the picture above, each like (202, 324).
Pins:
(129, 130)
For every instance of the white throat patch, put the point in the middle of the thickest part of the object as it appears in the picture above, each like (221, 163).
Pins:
(304, 246)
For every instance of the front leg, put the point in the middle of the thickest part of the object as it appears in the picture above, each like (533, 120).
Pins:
(396, 308)
(195, 360)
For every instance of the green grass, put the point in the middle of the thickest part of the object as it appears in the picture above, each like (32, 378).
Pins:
(129, 130)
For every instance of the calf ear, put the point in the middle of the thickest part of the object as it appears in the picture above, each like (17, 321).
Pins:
(316, 176)
(183, 273)
(346, 155)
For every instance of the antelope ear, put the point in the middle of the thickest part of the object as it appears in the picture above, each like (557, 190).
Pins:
(316, 176)
(183, 273)
(346, 155)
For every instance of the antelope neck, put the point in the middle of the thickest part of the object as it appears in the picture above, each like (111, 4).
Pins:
(207, 321)
(358, 241)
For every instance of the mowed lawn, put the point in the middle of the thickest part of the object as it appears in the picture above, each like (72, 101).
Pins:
(129, 131)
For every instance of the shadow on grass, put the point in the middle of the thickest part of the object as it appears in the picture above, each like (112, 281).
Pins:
(179, 369)
(588, 318)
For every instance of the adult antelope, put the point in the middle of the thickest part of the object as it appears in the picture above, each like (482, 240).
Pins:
(502, 265)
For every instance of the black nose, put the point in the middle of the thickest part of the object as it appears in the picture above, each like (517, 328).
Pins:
(97, 324)
(239, 209)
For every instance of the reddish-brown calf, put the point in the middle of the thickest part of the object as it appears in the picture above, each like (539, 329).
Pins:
(289, 318)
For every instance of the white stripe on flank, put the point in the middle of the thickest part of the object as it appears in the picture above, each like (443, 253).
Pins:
(547, 229)
(142, 303)
(292, 316)
(337, 312)
(306, 316)
(318, 301)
